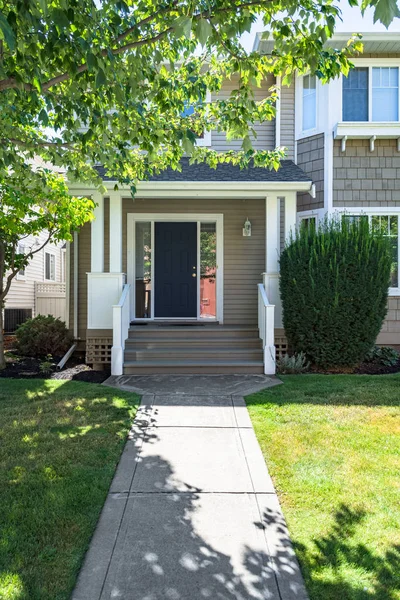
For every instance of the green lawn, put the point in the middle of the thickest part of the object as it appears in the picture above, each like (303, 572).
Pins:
(60, 442)
(332, 445)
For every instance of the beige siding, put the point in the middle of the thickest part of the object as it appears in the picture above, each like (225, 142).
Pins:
(287, 119)
(22, 291)
(84, 252)
(244, 258)
(390, 332)
(265, 131)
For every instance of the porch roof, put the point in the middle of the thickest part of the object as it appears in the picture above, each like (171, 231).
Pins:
(287, 172)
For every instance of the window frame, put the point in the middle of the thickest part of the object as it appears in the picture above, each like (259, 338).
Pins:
(370, 63)
(205, 141)
(53, 254)
(386, 212)
(21, 249)
(315, 127)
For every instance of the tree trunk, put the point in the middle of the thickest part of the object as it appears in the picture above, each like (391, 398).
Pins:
(2, 358)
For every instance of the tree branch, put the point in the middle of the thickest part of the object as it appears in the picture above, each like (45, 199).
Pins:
(12, 83)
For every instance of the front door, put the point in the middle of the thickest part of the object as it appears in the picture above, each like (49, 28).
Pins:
(175, 270)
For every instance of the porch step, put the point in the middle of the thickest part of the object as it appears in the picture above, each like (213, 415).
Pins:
(195, 332)
(135, 344)
(194, 353)
(179, 367)
(192, 349)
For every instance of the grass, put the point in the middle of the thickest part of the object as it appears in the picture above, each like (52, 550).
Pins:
(60, 442)
(332, 445)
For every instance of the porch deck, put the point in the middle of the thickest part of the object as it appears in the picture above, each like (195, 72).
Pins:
(185, 347)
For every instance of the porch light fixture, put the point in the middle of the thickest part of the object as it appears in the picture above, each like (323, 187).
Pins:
(247, 228)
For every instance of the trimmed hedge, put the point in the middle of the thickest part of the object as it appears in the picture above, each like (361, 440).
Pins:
(334, 286)
(43, 335)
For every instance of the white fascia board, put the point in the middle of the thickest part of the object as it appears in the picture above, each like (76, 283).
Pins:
(366, 130)
(206, 189)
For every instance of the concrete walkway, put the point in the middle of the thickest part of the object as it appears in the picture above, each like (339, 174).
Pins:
(192, 513)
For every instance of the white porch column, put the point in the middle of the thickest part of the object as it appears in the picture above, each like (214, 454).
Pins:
(271, 277)
(97, 240)
(290, 213)
(115, 232)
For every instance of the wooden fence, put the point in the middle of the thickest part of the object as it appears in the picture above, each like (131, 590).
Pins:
(50, 299)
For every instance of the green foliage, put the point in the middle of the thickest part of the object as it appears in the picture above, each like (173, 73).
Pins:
(334, 285)
(113, 92)
(383, 355)
(43, 336)
(292, 365)
(46, 366)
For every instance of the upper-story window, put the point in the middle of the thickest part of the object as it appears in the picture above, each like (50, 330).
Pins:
(371, 94)
(49, 266)
(309, 102)
(204, 139)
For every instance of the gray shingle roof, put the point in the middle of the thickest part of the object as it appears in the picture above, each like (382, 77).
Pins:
(288, 171)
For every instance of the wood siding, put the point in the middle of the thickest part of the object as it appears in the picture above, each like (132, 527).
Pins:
(288, 119)
(22, 290)
(84, 252)
(265, 131)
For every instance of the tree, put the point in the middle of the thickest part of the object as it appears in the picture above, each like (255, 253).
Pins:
(84, 82)
(29, 206)
(334, 283)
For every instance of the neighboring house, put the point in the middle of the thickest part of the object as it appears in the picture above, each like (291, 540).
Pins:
(229, 225)
(40, 287)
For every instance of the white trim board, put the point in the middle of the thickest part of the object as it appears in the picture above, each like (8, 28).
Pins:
(217, 218)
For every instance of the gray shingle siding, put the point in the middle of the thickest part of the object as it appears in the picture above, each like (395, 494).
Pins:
(365, 178)
(310, 158)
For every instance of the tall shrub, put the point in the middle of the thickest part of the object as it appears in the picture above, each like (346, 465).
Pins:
(334, 286)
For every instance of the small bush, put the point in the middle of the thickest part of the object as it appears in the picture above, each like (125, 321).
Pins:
(292, 365)
(42, 336)
(334, 286)
(383, 355)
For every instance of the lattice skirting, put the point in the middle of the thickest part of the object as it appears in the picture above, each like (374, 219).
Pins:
(98, 350)
(281, 343)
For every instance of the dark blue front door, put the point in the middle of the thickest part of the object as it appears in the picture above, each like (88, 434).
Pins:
(175, 270)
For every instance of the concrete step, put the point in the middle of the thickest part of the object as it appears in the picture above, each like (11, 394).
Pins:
(206, 367)
(189, 343)
(193, 354)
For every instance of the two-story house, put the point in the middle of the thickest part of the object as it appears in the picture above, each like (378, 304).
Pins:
(185, 277)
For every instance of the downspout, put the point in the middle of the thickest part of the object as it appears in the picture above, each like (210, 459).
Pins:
(76, 249)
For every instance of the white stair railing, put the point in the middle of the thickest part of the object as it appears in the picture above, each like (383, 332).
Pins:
(266, 328)
(121, 321)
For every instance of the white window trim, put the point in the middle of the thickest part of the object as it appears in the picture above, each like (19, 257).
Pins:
(382, 212)
(53, 253)
(205, 141)
(370, 63)
(309, 215)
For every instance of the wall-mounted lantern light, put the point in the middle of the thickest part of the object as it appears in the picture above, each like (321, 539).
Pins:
(247, 228)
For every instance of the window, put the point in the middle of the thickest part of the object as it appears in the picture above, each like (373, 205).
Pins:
(371, 94)
(21, 273)
(385, 94)
(308, 222)
(388, 225)
(309, 102)
(49, 266)
(355, 95)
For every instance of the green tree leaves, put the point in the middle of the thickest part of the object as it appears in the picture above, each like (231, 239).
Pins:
(7, 32)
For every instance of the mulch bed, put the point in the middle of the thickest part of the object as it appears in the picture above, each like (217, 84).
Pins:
(23, 367)
(366, 368)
